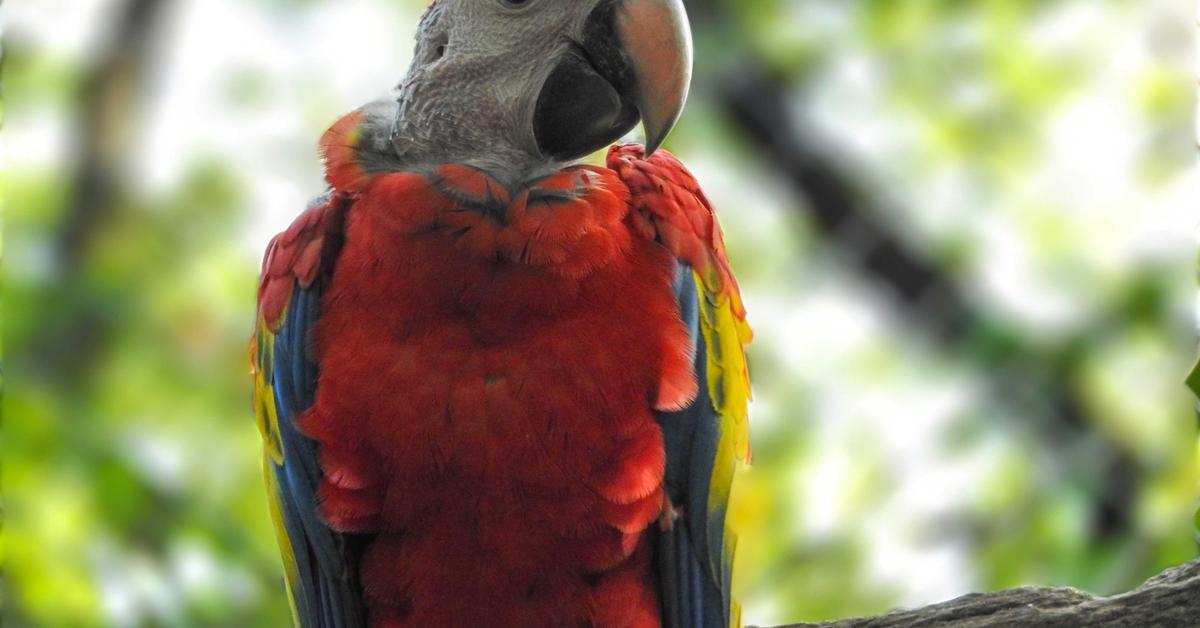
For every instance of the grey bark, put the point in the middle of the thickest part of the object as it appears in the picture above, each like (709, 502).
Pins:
(1167, 600)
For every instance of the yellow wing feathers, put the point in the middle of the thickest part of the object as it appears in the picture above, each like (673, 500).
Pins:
(726, 333)
(262, 352)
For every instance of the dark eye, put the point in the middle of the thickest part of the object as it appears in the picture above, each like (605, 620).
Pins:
(518, 6)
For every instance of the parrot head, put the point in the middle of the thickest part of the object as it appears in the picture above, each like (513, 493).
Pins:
(519, 87)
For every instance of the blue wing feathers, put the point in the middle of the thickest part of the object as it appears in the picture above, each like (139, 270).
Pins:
(327, 594)
(694, 575)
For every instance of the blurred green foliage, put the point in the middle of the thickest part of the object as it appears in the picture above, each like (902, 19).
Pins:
(132, 475)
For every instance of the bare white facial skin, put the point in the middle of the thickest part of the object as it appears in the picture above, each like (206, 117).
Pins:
(479, 67)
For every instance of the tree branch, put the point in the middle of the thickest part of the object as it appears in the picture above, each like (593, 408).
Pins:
(1169, 599)
(1032, 380)
(848, 218)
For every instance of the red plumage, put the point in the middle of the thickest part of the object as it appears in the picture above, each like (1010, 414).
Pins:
(490, 362)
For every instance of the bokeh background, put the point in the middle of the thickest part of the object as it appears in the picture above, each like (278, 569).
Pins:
(964, 229)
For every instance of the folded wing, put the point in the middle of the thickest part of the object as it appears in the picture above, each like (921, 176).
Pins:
(320, 564)
(708, 439)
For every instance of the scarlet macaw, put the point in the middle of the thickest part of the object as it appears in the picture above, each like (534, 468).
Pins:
(496, 388)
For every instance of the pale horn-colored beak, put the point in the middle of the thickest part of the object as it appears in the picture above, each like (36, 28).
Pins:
(658, 39)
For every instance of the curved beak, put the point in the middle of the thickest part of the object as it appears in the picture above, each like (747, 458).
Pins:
(658, 41)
